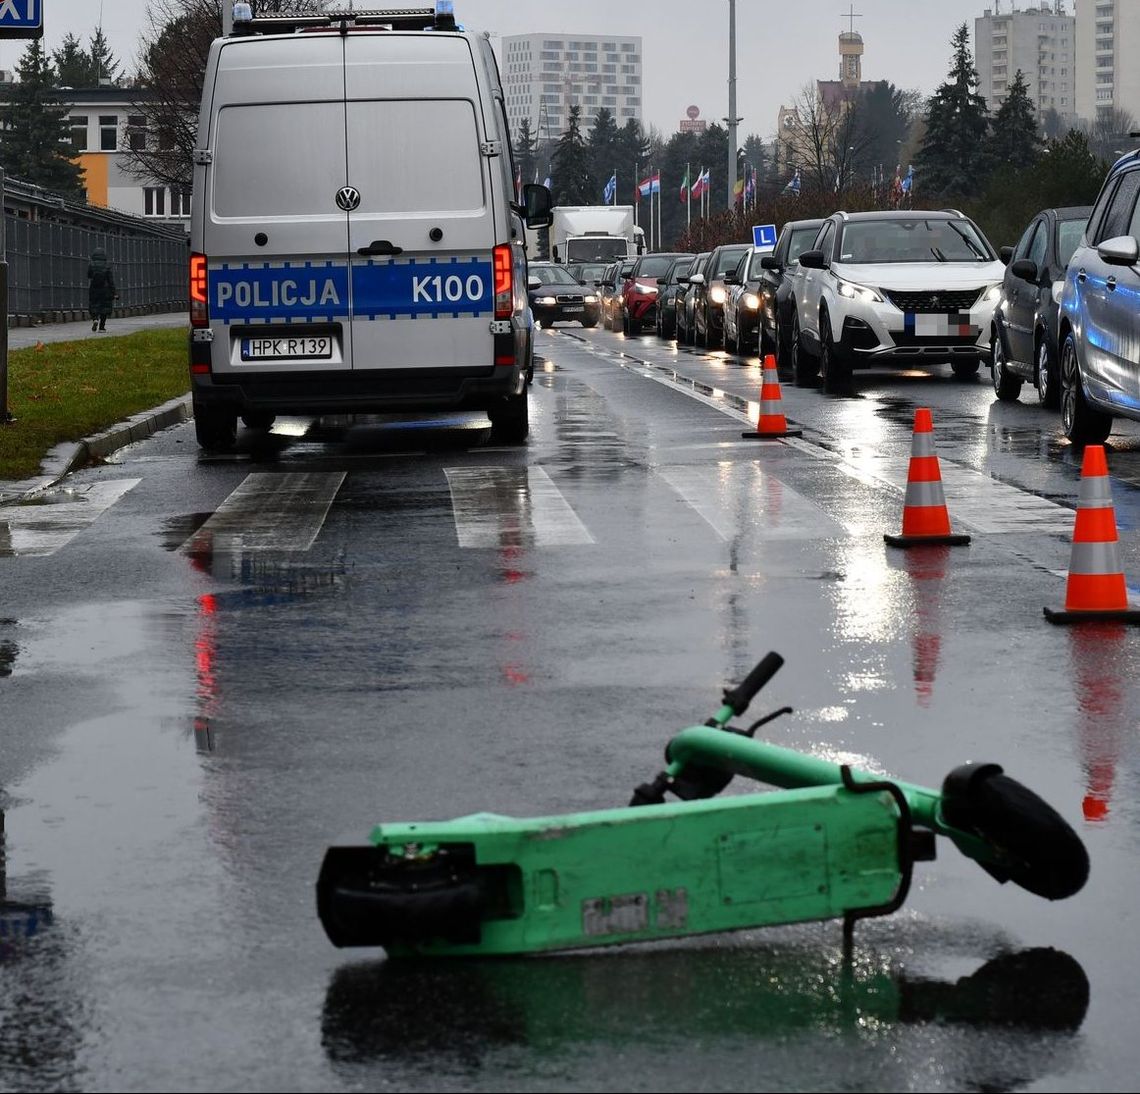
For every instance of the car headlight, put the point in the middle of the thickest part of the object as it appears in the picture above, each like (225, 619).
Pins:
(852, 291)
(992, 295)
(751, 301)
(645, 290)
(546, 301)
(717, 294)
(591, 299)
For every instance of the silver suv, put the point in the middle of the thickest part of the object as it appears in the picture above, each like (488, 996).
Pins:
(1100, 313)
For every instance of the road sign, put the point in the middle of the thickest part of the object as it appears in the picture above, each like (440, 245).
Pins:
(764, 236)
(21, 18)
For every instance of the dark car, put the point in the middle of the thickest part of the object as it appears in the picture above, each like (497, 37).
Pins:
(777, 298)
(742, 304)
(639, 293)
(609, 292)
(556, 297)
(1024, 336)
(1100, 312)
(686, 299)
(669, 289)
(711, 293)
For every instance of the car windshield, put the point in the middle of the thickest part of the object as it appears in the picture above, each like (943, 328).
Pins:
(682, 269)
(553, 275)
(654, 266)
(1069, 234)
(589, 271)
(726, 261)
(915, 240)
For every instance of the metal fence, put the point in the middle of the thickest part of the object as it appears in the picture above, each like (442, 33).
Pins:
(49, 241)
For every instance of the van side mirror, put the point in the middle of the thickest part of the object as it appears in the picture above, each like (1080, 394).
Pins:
(813, 260)
(537, 205)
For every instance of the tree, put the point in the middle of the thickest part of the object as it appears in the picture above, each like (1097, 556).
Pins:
(631, 156)
(573, 182)
(526, 153)
(1108, 132)
(173, 66)
(953, 160)
(36, 137)
(1013, 139)
(886, 114)
(102, 59)
(601, 146)
(79, 67)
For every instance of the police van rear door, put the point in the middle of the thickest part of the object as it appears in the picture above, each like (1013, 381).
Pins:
(275, 233)
(421, 237)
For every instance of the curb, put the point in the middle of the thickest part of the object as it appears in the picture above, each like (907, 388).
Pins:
(65, 458)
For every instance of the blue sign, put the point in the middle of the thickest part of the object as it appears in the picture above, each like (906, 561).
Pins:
(21, 18)
(425, 288)
(302, 292)
(764, 237)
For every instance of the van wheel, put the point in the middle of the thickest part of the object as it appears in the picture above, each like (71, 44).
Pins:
(215, 428)
(510, 420)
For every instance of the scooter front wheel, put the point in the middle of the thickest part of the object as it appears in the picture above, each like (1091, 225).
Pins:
(1034, 845)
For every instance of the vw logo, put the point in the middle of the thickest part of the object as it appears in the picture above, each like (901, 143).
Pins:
(935, 299)
(348, 198)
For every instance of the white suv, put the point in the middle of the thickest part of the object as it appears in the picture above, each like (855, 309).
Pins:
(893, 288)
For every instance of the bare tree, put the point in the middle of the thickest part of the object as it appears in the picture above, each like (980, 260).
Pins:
(827, 141)
(1108, 133)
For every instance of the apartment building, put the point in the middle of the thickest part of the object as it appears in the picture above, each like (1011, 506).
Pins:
(1108, 45)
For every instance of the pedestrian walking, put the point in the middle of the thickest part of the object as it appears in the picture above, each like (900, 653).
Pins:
(101, 292)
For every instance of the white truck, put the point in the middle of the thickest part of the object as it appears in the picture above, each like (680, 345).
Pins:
(594, 233)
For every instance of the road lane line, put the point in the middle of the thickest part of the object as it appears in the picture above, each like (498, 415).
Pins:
(512, 506)
(54, 517)
(271, 512)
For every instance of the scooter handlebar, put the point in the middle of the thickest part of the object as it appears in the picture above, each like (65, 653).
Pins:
(740, 696)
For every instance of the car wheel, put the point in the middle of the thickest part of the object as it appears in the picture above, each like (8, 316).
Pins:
(215, 427)
(805, 368)
(588, 323)
(780, 349)
(834, 365)
(510, 420)
(965, 369)
(1080, 422)
(1007, 387)
(1046, 375)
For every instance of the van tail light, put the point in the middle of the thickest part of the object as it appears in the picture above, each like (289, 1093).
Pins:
(504, 281)
(199, 307)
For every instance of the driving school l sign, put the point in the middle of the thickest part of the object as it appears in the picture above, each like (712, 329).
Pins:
(21, 19)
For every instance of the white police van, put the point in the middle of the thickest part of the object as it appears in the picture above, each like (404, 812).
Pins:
(356, 242)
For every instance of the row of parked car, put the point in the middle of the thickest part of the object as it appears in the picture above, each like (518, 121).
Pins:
(1060, 309)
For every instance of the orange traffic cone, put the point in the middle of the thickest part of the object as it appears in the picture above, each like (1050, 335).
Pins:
(1096, 582)
(771, 424)
(925, 519)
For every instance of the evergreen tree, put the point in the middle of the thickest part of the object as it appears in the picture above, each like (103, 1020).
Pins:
(103, 63)
(573, 184)
(602, 146)
(953, 160)
(36, 136)
(526, 152)
(1014, 140)
(72, 64)
(631, 157)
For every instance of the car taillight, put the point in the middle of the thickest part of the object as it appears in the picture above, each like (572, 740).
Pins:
(504, 281)
(199, 307)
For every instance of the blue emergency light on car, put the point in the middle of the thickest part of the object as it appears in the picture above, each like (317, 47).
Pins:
(242, 12)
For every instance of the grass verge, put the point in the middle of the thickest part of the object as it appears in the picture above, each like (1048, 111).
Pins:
(65, 391)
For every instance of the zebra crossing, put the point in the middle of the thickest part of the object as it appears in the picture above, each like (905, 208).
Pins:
(493, 505)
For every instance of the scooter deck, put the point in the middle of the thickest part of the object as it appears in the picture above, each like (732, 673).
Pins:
(488, 884)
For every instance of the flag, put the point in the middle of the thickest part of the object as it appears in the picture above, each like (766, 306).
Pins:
(749, 183)
(908, 182)
(702, 183)
(518, 182)
(684, 186)
(738, 190)
(546, 182)
(793, 186)
(610, 191)
(651, 184)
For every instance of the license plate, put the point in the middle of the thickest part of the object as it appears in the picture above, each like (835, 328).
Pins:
(954, 324)
(569, 309)
(287, 347)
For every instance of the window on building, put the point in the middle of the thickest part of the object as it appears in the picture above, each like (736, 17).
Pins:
(179, 202)
(154, 201)
(628, 47)
(108, 132)
(136, 132)
(78, 124)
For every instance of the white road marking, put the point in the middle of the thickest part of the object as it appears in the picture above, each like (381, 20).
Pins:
(512, 506)
(54, 517)
(736, 497)
(271, 512)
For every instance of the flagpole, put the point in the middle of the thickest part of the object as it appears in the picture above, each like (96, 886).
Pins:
(688, 196)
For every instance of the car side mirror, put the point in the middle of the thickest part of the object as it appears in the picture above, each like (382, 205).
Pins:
(533, 282)
(731, 278)
(1119, 251)
(771, 262)
(813, 260)
(697, 279)
(662, 281)
(1005, 254)
(1026, 269)
(683, 280)
(537, 205)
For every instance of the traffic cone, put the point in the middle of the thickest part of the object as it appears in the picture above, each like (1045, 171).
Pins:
(925, 519)
(1096, 582)
(771, 424)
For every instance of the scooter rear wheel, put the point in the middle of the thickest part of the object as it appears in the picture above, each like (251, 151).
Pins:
(1037, 849)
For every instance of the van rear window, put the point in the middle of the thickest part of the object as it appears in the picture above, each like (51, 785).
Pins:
(415, 155)
(278, 159)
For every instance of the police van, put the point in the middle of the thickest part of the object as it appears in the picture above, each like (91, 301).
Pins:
(357, 245)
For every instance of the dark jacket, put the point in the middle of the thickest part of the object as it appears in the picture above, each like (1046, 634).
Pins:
(101, 291)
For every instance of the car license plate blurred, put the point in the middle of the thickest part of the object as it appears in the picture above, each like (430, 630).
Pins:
(573, 308)
(287, 347)
(940, 324)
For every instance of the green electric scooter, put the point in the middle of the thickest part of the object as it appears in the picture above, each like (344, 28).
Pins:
(833, 842)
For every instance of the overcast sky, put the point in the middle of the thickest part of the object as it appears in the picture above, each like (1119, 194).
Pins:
(781, 44)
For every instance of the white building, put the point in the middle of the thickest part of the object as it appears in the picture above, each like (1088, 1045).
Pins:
(1040, 41)
(544, 75)
(1108, 45)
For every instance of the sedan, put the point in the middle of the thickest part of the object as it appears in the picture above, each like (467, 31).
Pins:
(557, 297)
(777, 296)
(1024, 337)
(639, 294)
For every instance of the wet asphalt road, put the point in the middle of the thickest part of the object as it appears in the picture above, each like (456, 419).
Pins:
(212, 668)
